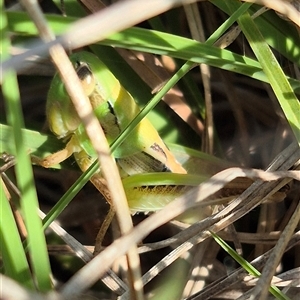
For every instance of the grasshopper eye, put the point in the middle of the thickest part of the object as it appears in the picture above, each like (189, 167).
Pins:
(86, 77)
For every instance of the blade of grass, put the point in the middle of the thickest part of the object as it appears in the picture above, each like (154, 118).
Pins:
(276, 77)
(225, 26)
(11, 248)
(158, 43)
(69, 195)
(279, 34)
(246, 265)
(29, 203)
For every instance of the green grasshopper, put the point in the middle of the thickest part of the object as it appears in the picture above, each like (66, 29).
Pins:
(142, 152)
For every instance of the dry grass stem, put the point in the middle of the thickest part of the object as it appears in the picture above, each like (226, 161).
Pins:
(281, 6)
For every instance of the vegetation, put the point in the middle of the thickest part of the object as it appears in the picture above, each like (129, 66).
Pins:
(235, 114)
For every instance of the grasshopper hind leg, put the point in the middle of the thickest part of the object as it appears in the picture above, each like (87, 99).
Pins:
(103, 229)
(100, 183)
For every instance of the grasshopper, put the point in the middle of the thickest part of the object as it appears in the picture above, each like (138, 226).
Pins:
(142, 152)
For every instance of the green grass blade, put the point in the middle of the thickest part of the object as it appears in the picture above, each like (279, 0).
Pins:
(29, 203)
(230, 21)
(69, 195)
(276, 77)
(279, 34)
(11, 248)
(157, 43)
(247, 266)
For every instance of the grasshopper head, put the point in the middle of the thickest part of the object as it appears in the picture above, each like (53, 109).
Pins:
(86, 77)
